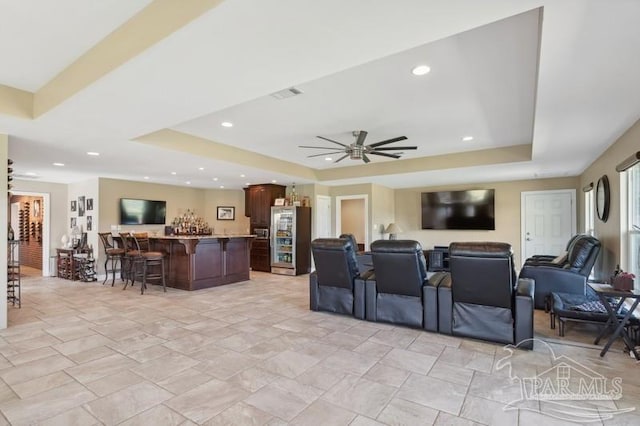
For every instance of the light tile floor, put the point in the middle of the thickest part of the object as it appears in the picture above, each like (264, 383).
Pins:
(253, 353)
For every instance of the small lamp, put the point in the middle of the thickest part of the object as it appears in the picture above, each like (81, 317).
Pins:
(392, 230)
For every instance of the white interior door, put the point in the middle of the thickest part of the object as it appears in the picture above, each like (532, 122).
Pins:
(323, 217)
(548, 221)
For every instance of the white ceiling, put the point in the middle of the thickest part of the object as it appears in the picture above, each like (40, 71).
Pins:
(587, 90)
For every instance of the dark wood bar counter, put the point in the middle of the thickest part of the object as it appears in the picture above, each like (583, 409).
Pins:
(197, 262)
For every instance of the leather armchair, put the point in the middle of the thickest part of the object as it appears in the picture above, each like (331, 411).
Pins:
(570, 277)
(549, 257)
(394, 291)
(484, 299)
(364, 259)
(332, 285)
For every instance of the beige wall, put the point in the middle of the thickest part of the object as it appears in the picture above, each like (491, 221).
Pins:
(233, 198)
(609, 233)
(352, 219)
(178, 199)
(382, 210)
(507, 198)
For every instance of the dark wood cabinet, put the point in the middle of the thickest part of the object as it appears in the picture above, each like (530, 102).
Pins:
(247, 202)
(261, 198)
(258, 202)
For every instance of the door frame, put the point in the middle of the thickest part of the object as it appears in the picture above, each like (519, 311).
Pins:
(318, 213)
(338, 221)
(523, 221)
(46, 226)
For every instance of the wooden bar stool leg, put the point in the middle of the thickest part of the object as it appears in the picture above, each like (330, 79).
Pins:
(164, 285)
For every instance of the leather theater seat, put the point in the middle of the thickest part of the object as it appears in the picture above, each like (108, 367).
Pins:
(567, 277)
(394, 292)
(484, 299)
(332, 285)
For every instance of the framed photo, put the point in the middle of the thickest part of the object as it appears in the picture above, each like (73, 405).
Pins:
(279, 202)
(89, 223)
(89, 204)
(73, 206)
(73, 222)
(36, 208)
(81, 206)
(226, 213)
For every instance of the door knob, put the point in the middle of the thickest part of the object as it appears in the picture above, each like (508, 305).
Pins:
(528, 239)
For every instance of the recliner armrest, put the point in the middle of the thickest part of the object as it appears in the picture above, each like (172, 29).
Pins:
(313, 291)
(526, 287)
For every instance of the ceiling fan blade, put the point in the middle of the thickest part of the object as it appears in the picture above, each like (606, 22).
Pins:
(382, 154)
(341, 158)
(323, 154)
(365, 158)
(399, 138)
(331, 140)
(392, 148)
(362, 135)
(333, 148)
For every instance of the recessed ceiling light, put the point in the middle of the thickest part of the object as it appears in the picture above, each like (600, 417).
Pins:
(274, 181)
(30, 174)
(174, 173)
(200, 168)
(328, 159)
(215, 179)
(467, 138)
(58, 164)
(226, 124)
(146, 177)
(93, 153)
(421, 70)
(221, 186)
(242, 175)
(188, 182)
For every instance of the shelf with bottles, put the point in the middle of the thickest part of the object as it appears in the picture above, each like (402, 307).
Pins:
(286, 258)
(284, 249)
(283, 233)
(190, 224)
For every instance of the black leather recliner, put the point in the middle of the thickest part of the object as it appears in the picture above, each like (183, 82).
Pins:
(332, 285)
(484, 299)
(538, 258)
(364, 259)
(570, 277)
(394, 293)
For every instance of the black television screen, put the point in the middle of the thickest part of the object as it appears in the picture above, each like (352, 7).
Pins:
(142, 212)
(472, 209)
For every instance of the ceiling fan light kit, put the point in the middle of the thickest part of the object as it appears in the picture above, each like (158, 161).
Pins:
(358, 150)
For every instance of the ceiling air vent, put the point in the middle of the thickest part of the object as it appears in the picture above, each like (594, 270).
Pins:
(287, 93)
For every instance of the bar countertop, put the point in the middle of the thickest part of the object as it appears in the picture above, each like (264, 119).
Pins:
(200, 237)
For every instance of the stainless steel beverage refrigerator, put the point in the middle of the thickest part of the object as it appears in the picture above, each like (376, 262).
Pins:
(290, 240)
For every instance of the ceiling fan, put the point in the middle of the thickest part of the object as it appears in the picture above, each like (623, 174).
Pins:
(358, 150)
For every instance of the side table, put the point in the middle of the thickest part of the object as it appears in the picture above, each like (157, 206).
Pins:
(613, 301)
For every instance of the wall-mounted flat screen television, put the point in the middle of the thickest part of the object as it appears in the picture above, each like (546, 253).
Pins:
(142, 212)
(472, 209)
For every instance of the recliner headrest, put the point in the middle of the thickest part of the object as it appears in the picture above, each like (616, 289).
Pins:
(351, 238)
(481, 249)
(395, 246)
(338, 244)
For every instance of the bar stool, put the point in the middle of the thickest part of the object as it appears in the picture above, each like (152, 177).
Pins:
(113, 254)
(146, 258)
(131, 253)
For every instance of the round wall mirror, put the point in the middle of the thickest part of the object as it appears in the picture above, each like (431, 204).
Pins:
(603, 198)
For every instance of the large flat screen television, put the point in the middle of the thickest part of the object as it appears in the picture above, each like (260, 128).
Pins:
(472, 209)
(142, 212)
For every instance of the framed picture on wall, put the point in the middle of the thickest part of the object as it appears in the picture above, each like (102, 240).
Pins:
(36, 208)
(226, 213)
(89, 204)
(73, 206)
(89, 223)
(73, 222)
(81, 206)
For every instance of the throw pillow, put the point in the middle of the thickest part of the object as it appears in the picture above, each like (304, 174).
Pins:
(560, 259)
